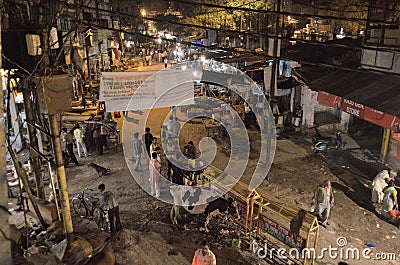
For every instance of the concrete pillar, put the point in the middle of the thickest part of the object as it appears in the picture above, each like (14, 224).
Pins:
(345, 120)
(15, 124)
(307, 103)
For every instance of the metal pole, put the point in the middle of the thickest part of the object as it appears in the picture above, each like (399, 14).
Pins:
(275, 55)
(62, 178)
(5, 250)
(385, 144)
(33, 141)
(53, 189)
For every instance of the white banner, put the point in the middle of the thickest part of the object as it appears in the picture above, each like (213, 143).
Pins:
(146, 89)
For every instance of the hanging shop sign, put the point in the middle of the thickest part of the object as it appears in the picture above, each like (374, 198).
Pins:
(353, 108)
(361, 111)
(329, 100)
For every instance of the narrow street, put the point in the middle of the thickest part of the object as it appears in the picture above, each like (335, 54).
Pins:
(150, 238)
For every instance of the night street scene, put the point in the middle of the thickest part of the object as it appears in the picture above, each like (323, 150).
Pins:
(203, 132)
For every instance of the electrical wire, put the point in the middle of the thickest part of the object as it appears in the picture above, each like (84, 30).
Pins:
(367, 6)
(285, 13)
(266, 56)
(250, 34)
(204, 27)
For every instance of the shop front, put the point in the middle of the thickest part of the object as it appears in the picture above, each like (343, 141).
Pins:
(389, 124)
(364, 103)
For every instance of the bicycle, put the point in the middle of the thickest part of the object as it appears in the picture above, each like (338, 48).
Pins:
(89, 207)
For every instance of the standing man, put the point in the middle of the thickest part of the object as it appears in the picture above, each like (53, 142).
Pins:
(109, 204)
(97, 139)
(68, 138)
(340, 144)
(380, 182)
(80, 144)
(147, 140)
(323, 198)
(177, 172)
(204, 256)
(190, 151)
(137, 150)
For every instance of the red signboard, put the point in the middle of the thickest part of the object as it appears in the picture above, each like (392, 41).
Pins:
(329, 100)
(382, 119)
(280, 232)
(353, 108)
(359, 110)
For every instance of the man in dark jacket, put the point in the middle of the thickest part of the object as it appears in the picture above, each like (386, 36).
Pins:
(147, 140)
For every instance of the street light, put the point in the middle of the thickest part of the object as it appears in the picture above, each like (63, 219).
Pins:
(143, 13)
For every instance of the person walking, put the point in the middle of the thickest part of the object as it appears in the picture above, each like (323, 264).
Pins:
(80, 144)
(109, 203)
(323, 198)
(137, 150)
(68, 138)
(204, 256)
(147, 139)
(340, 144)
(154, 179)
(389, 199)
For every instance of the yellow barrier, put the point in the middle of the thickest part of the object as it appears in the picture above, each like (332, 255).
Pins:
(264, 214)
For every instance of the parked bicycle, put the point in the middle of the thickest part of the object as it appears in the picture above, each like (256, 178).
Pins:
(89, 207)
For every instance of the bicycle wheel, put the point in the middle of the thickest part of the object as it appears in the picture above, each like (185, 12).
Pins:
(101, 219)
(79, 207)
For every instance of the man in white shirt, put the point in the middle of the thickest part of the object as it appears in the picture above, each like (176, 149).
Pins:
(79, 141)
(380, 182)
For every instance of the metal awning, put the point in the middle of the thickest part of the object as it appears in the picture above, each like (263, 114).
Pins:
(376, 90)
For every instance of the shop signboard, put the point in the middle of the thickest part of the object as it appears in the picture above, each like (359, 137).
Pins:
(382, 119)
(353, 108)
(371, 115)
(329, 100)
(280, 232)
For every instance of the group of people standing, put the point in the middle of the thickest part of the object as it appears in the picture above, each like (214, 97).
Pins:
(88, 141)
(149, 144)
(384, 197)
(153, 150)
(68, 138)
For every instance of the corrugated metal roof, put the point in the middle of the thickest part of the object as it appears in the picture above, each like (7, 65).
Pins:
(376, 90)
